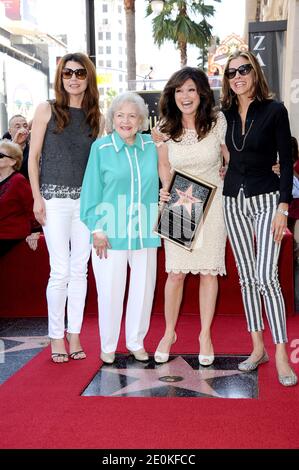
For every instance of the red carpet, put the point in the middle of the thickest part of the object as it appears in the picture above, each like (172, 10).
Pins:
(30, 271)
(40, 406)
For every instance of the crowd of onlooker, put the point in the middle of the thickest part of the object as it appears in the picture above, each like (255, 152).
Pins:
(17, 221)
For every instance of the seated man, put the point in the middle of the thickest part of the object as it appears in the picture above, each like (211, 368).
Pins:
(18, 132)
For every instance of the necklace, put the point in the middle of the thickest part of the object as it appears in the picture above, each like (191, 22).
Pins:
(244, 138)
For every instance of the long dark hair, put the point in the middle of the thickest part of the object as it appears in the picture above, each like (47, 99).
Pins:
(171, 116)
(90, 102)
(260, 86)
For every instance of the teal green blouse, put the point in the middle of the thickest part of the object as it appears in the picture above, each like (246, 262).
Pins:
(120, 191)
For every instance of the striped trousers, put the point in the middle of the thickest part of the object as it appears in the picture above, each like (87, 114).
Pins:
(248, 222)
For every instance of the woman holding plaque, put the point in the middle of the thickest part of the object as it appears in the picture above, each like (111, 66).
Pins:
(195, 133)
(256, 201)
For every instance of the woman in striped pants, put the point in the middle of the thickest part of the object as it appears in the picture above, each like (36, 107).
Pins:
(256, 201)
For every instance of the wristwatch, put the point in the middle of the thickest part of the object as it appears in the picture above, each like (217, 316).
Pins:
(281, 211)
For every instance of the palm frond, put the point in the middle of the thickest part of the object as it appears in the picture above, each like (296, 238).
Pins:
(188, 26)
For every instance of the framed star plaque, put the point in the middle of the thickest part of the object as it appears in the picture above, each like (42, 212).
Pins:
(181, 218)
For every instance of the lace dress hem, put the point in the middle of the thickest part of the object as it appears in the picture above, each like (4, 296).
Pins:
(212, 272)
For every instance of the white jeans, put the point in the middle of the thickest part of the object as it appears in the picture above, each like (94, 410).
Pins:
(111, 275)
(68, 244)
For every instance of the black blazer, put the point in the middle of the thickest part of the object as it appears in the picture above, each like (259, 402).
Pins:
(252, 155)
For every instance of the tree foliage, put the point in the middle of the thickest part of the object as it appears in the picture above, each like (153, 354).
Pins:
(183, 22)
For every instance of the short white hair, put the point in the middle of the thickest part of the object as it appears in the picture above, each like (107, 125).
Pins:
(128, 97)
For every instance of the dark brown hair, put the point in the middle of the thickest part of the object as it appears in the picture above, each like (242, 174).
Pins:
(260, 86)
(171, 116)
(90, 102)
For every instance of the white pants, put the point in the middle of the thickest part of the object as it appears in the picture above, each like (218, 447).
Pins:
(68, 244)
(111, 275)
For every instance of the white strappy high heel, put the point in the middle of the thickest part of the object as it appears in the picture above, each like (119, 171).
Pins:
(205, 360)
(161, 357)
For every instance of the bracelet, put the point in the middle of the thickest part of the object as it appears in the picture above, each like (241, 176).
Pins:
(281, 211)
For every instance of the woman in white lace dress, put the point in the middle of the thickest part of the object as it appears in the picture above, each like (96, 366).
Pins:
(195, 134)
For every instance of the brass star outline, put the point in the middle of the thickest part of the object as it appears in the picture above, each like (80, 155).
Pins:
(27, 342)
(193, 379)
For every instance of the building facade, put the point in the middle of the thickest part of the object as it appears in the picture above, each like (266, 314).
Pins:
(111, 59)
(25, 58)
(279, 10)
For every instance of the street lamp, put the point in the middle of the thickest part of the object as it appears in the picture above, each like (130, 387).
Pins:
(157, 6)
(147, 77)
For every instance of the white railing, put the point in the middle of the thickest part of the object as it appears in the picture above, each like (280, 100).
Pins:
(158, 85)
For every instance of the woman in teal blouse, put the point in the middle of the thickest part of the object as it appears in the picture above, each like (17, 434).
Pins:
(119, 205)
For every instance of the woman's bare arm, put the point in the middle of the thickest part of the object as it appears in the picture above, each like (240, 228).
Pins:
(39, 127)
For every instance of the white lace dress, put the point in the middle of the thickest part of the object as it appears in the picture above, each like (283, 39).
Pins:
(201, 159)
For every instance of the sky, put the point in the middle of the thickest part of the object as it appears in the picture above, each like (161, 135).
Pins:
(226, 22)
(164, 60)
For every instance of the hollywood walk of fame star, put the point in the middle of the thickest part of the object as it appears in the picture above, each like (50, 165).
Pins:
(186, 199)
(27, 342)
(177, 373)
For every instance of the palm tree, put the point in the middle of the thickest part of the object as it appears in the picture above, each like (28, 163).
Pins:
(129, 6)
(258, 10)
(177, 22)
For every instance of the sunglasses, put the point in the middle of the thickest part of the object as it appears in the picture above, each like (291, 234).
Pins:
(244, 69)
(67, 74)
(2, 155)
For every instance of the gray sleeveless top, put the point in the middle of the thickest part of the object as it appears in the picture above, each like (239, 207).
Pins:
(64, 157)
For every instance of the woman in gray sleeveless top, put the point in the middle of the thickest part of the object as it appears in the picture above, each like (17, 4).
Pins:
(61, 137)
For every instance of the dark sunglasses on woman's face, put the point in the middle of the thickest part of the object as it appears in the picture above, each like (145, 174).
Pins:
(67, 74)
(2, 155)
(243, 70)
